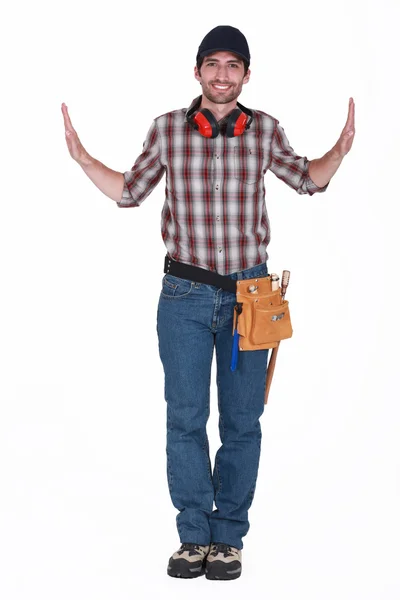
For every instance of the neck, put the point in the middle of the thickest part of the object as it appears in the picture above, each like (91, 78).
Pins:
(218, 110)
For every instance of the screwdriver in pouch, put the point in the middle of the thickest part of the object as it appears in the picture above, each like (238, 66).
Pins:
(235, 345)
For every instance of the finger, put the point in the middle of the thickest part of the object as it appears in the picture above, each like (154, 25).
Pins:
(351, 111)
(67, 120)
(350, 116)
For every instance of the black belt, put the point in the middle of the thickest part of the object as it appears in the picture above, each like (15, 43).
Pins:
(198, 274)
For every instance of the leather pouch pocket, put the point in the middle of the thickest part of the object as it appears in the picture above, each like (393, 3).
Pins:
(270, 323)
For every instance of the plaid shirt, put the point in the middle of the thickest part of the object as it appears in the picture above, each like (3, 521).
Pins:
(214, 215)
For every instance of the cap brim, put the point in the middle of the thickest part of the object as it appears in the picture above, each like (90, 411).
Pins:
(207, 52)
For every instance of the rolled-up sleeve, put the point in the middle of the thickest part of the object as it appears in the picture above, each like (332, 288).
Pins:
(290, 167)
(145, 173)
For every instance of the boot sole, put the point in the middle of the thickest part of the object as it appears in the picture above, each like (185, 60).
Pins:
(221, 571)
(184, 569)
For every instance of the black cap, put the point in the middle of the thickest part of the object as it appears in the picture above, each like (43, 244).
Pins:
(224, 37)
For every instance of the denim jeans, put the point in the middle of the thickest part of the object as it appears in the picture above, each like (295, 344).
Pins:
(192, 318)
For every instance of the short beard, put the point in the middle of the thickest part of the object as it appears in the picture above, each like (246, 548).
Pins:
(222, 99)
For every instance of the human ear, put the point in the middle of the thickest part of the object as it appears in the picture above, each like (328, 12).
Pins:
(247, 76)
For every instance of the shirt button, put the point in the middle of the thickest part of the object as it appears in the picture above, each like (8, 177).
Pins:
(219, 249)
(218, 218)
(216, 187)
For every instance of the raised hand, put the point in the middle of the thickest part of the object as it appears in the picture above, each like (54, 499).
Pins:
(76, 150)
(346, 139)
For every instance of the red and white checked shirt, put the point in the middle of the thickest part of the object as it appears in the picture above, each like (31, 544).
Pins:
(214, 215)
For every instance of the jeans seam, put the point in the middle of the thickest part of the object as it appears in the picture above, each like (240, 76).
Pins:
(222, 434)
(208, 459)
(208, 413)
(170, 479)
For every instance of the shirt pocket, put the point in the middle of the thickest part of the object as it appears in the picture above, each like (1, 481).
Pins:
(248, 164)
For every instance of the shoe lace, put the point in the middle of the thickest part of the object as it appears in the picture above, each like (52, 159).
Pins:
(190, 546)
(224, 548)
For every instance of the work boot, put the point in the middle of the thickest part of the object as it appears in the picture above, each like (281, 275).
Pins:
(223, 562)
(188, 561)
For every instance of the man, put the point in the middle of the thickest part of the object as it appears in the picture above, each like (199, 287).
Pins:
(215, 227)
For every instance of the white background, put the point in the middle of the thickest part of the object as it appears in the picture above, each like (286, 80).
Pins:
(85, 510)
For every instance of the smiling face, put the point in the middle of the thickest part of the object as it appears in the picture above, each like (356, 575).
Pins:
(222, 76)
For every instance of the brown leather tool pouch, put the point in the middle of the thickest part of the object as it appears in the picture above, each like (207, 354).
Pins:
(262, 318)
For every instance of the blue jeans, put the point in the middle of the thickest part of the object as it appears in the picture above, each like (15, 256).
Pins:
(192, 318)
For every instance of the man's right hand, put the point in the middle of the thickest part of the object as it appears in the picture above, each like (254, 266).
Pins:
(76, 150)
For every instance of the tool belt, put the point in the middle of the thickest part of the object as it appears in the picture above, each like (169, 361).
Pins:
(262, 318)
(261, 315)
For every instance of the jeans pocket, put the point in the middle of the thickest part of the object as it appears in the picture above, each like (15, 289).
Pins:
(175, 287)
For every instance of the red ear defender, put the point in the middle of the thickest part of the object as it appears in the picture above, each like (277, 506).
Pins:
(236, 124)
(206, 123)
(240, 125)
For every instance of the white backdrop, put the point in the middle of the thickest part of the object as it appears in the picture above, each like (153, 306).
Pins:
(85, 510)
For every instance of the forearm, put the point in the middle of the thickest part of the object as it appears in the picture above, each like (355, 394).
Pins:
(321, 170)
(110, 182)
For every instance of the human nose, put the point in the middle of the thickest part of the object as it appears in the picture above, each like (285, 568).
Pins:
(222, 72)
